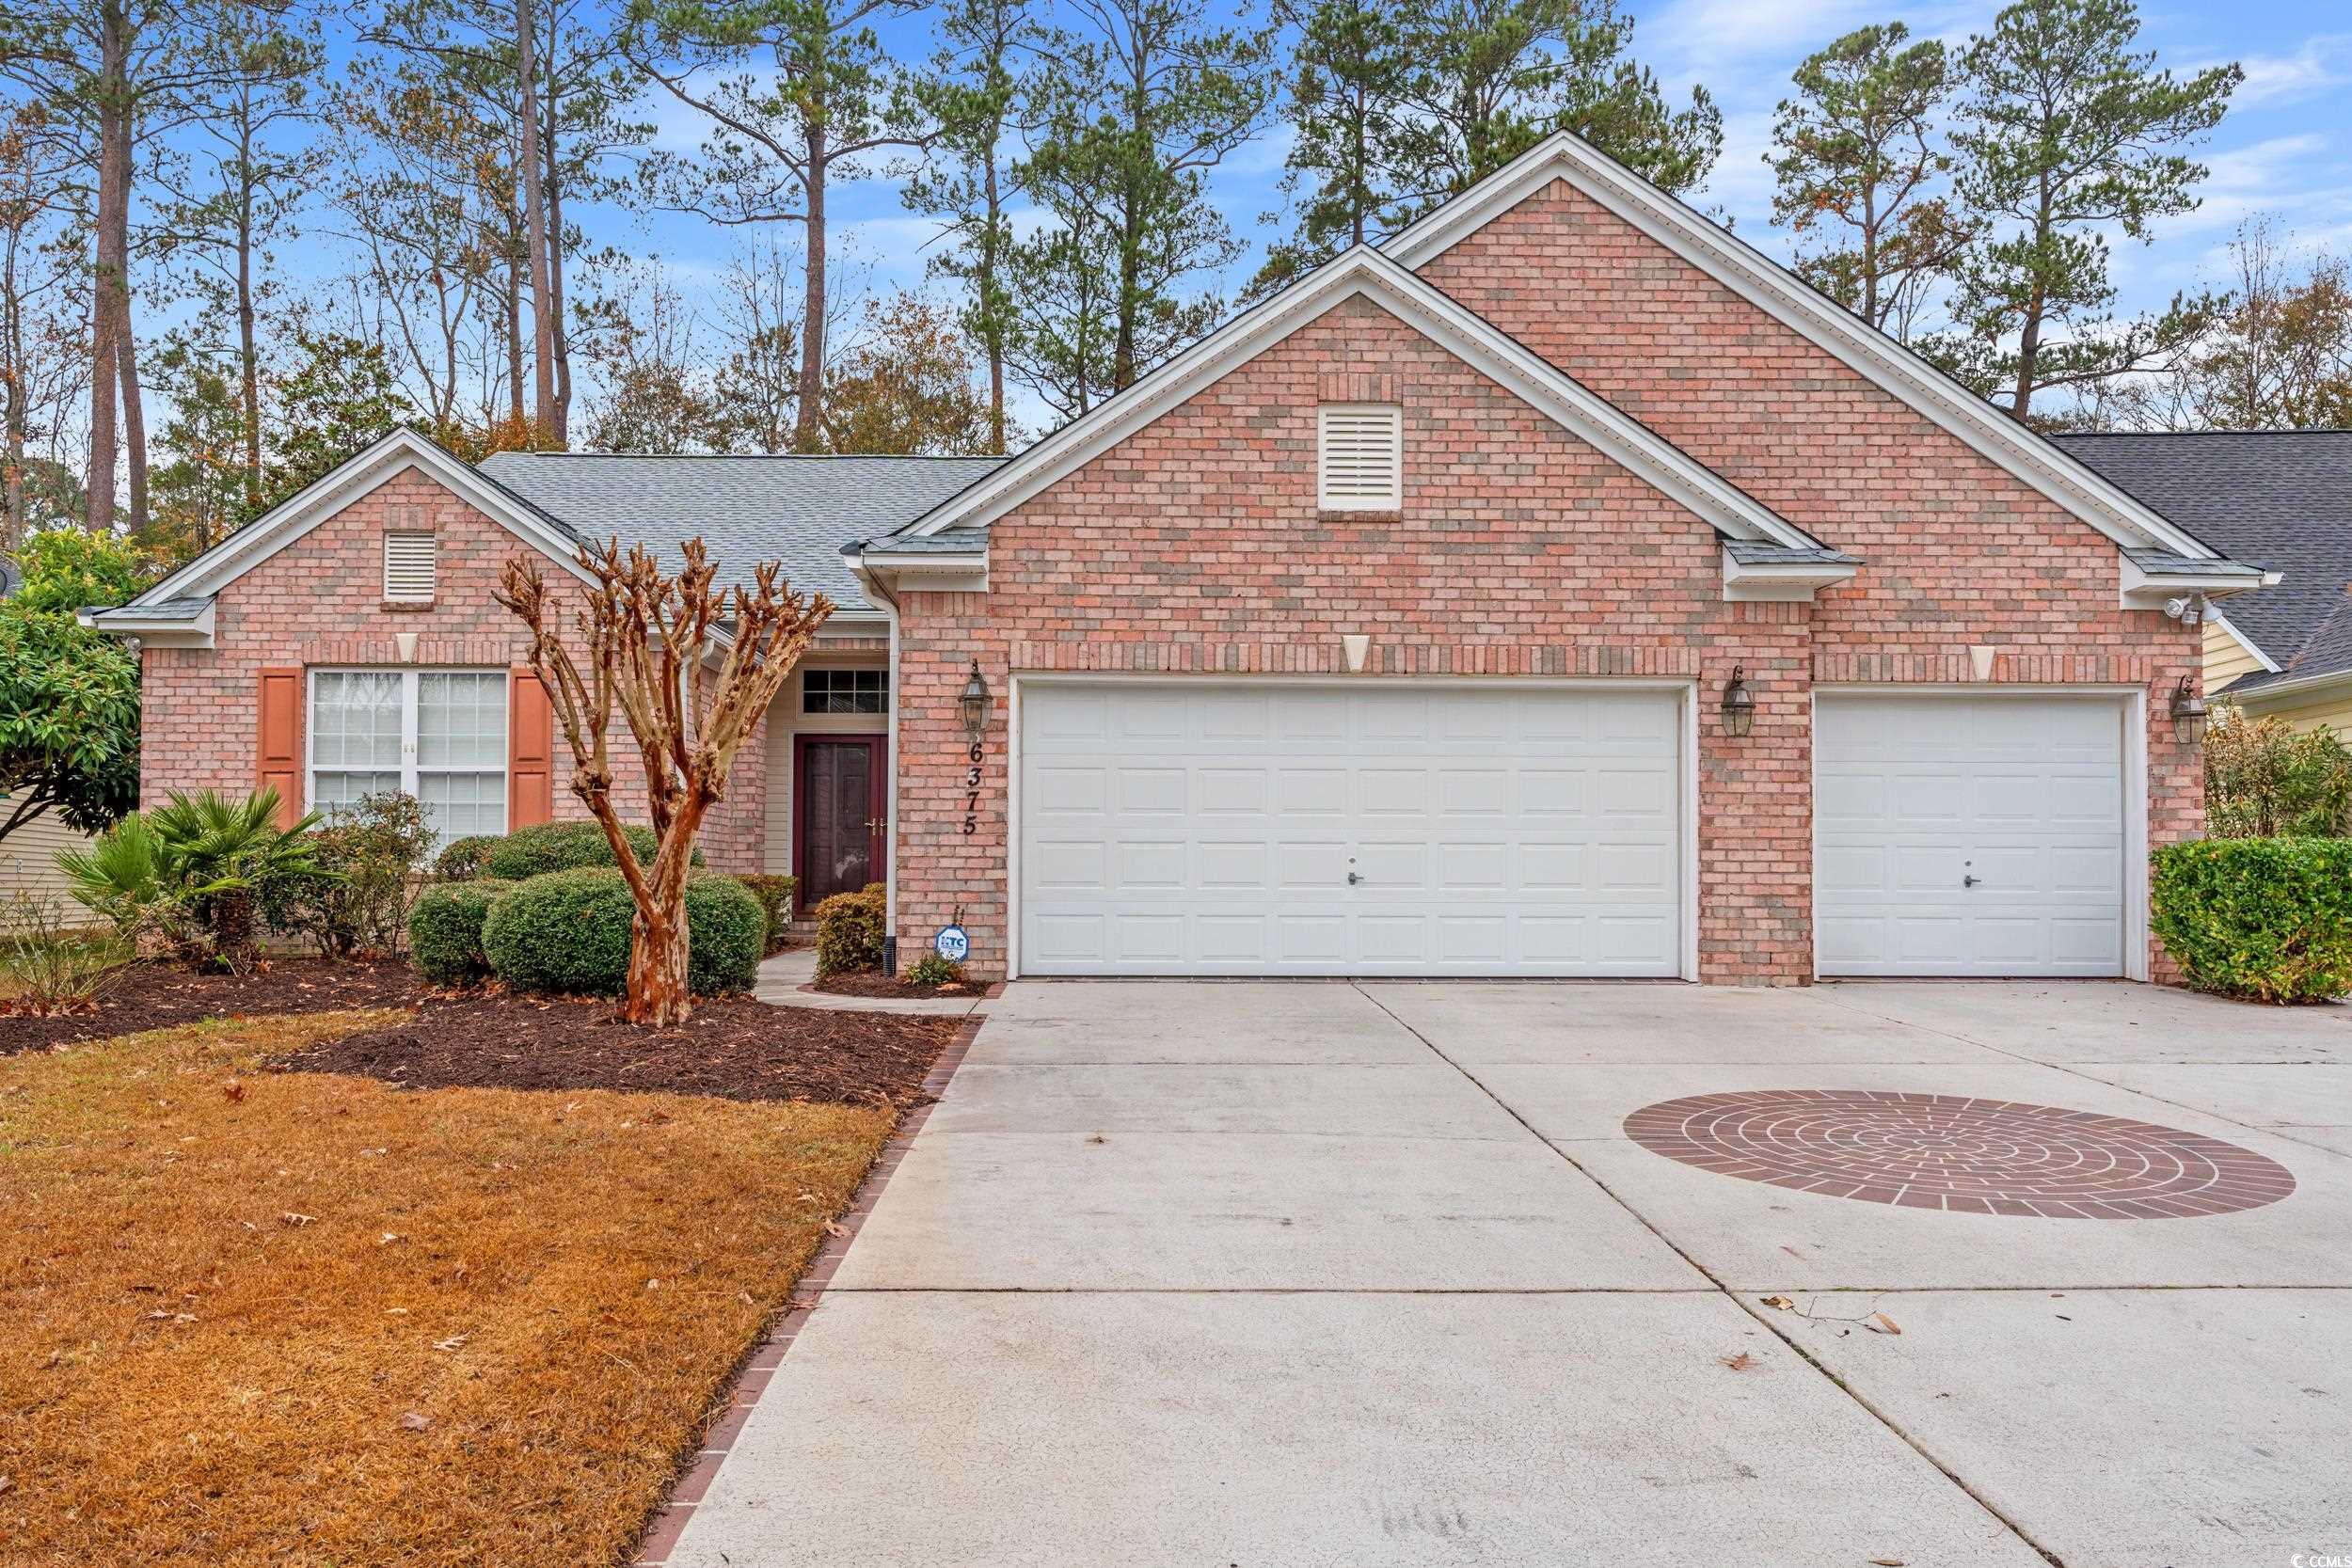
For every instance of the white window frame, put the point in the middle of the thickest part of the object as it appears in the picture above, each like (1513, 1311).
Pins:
(1324, 499)
(409, 769)
(432, 565)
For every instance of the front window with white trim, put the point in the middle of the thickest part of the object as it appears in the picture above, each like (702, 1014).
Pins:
(438, 735)
(1359, 458)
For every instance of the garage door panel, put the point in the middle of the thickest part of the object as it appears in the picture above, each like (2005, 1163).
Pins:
(1918, 794)
(1493, 831)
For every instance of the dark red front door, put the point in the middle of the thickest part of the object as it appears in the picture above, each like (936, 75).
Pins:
(841, 796)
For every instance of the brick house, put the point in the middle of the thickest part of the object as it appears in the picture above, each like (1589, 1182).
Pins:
(1561, 589)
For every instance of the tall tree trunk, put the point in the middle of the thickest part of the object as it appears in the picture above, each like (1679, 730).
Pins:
(993, 310)
(535, 229)
(559, 335)
(807, 425)
(12, 379)
(248, 356)
(111, 275)
(514, 341)
(660, 957)
(134, 413)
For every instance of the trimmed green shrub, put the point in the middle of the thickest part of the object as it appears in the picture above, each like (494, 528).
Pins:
(460, 859)
(776, 902)
(568, 932)
(445, 930)
(850, 928)
(933, 970)
(534, 851)
(2269, 919)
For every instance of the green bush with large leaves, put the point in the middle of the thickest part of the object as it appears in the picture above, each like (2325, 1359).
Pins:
(190, 878)
(568, 932)
(2268, 919)
(2264, 779)
(69, 696)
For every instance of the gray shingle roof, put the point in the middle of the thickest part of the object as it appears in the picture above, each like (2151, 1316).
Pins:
(2163, 561)
(1753, 553)
(162, 609)
(2276, 499)
(797, 510)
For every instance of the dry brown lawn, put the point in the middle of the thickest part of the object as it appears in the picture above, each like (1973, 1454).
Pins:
(309, 1320)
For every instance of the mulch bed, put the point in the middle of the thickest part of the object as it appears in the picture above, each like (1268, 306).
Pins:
(157, 995)
(891, 986)
(736, 1048)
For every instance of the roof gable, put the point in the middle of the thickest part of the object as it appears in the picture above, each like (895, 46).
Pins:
(1363, 273)
(395, 454)
(1780, 294)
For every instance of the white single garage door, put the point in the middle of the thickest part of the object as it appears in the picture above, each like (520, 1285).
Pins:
(1230, 827)
(1968, 836)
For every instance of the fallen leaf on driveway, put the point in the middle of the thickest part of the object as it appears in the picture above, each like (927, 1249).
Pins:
(1878, 1323)
(1886, 1562)
(1739, 1363)
(1780, 1304)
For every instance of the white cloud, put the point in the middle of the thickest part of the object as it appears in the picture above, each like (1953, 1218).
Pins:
(2320, 63)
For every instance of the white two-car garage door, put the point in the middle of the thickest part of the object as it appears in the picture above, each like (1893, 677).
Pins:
(1968, 836)
(1267, 828)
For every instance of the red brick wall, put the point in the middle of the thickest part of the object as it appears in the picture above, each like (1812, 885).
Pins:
(1195, 547)
(320, 602)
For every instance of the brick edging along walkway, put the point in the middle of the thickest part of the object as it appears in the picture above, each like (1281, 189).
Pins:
(661, 1533)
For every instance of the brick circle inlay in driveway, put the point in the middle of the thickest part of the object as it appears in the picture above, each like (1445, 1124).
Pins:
(1960, 1154)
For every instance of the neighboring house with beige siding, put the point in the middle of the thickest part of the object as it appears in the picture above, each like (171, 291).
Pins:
(28, 861)
(2279, 498)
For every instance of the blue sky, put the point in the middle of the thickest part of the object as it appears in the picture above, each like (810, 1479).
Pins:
(2285, 149)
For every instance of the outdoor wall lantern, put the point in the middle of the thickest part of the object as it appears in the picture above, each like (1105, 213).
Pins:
(1738, 703)
(975, 702)
(2188, 712)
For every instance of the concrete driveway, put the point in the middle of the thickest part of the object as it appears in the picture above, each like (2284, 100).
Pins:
(1266, 1275)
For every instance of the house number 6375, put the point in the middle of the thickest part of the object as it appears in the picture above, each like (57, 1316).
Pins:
(972, 789)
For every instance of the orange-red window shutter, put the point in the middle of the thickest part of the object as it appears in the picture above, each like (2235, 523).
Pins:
(278, 751)
(530, 750)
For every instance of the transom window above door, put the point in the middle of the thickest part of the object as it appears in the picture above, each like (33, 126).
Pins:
(844, 691)
(438, 735)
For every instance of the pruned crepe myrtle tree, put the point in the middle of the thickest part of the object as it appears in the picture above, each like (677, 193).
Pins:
(646, 638)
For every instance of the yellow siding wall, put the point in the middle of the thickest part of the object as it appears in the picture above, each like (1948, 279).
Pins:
(27, 863)
(2226, 658)
(2335, 715)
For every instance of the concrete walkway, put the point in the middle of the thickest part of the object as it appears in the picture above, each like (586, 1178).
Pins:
(1327, 1273)
(782, 978)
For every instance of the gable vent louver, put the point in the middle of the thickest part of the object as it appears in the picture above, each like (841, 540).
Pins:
(409, 564)
(1360, 458)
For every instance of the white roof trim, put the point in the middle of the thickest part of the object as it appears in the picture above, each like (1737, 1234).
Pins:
(354, 479)
(2269, 664)
(1362, 272)
(1772, 288)
(1782, 581)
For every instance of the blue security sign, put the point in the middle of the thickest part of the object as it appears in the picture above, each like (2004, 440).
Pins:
(952, 944)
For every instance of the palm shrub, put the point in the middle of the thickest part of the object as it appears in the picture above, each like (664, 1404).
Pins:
(188, 876)
(2268, 919)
